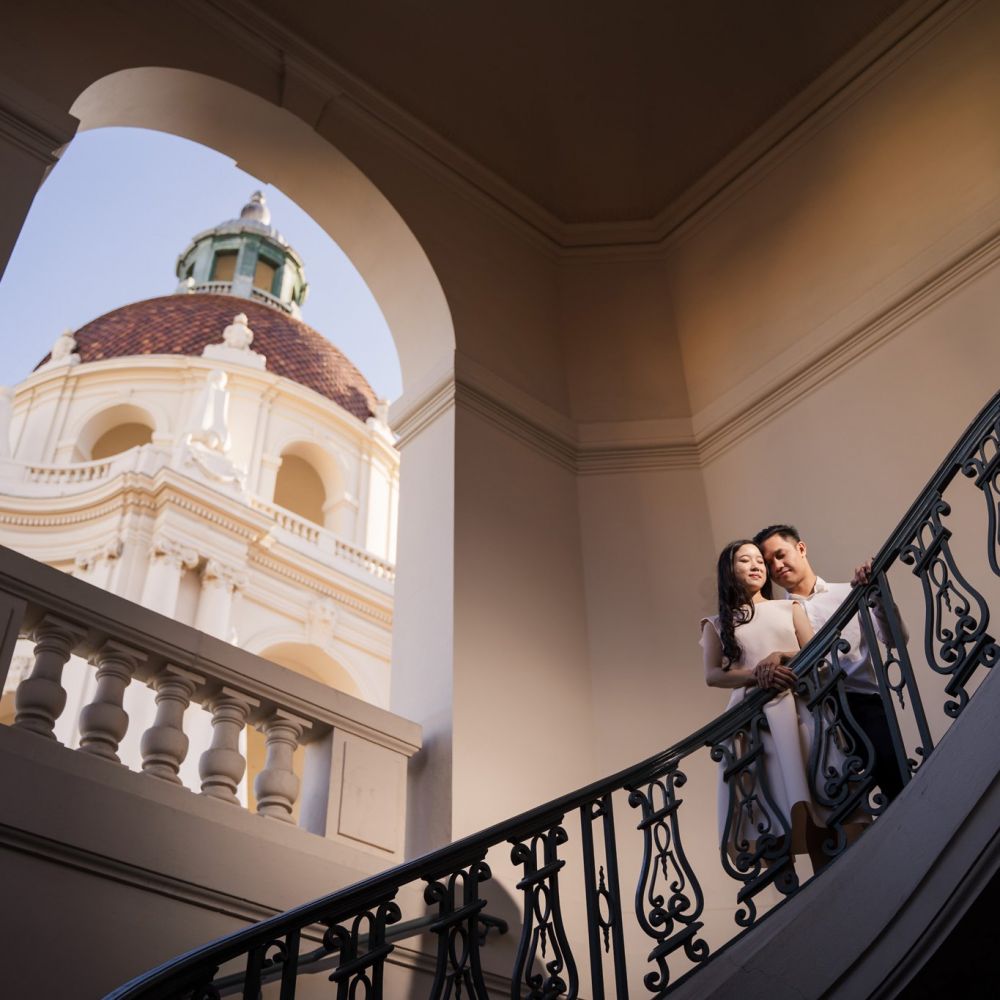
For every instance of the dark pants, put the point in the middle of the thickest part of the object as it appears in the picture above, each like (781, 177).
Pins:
(870, 716)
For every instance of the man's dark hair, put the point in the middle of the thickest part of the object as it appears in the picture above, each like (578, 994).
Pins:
(787, 531)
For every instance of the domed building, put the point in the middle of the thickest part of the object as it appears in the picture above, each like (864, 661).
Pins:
(210, 456)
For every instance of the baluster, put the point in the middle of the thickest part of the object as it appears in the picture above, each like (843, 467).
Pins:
(956, 640)
(983, 465)
(351, 975)
(756, 839)
(841, 755)
(165, 745)
(671, 922)
(543, 928)
(222, 765)
(277, 785)
(897, 656)
(265, 957)
(603, 894)
(458, 971)
(104, 721)
(41, 698)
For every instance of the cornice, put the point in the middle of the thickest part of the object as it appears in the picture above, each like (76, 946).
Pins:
(312, 84)
(415, 411)
(591, 448)
(316, 583)
(720, 427)
(32, 125)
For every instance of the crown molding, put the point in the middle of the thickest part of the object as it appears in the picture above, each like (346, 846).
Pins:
(313, 86)
(32, 124)
(725, 423)
(604, 448)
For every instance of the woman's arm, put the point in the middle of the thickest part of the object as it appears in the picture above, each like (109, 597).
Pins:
(715, 675)
(803, 627)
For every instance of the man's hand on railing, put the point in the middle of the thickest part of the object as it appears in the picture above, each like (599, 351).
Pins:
(862, 575)
(773, 672)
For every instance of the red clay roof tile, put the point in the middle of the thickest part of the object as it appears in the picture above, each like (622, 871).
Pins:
(185, 324)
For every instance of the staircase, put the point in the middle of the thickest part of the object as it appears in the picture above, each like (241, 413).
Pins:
(588, 924)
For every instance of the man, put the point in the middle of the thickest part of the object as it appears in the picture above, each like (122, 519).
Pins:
(788, 563)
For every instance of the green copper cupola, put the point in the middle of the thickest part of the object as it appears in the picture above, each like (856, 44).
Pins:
(246, 257)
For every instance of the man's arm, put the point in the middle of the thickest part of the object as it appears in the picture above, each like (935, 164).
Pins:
(862, 577)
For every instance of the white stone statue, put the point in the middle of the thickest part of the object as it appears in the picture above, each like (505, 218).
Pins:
(206, 445)
(212, 427)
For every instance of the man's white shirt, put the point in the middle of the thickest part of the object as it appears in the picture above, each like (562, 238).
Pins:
(857, 663)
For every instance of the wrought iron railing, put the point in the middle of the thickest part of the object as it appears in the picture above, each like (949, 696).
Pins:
(669, 908)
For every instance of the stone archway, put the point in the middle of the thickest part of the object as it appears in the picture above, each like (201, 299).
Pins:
(273, 144)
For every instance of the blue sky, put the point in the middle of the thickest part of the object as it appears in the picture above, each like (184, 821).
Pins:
(107, 225)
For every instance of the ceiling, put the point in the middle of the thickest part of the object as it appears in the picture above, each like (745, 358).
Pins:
(597, 111)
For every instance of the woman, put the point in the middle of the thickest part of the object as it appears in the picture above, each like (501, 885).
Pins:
(749, 627)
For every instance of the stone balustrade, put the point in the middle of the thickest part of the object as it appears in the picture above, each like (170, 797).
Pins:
(71, 474)
(354, 780)
(326, 541)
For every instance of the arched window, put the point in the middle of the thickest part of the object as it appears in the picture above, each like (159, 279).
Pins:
(113, 431)
(300, 489)
(119, 439)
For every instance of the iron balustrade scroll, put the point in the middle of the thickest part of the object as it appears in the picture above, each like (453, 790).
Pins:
(551, 863)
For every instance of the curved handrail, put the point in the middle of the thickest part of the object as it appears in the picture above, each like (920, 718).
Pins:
(816, 682)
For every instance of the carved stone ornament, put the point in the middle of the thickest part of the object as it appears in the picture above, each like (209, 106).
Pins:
(238, 334)
(206, 445)
(111, 549)
(219, 574)
(63, 351)
(172, 551)
(235, 346)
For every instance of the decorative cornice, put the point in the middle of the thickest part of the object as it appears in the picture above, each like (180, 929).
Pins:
(279, 568)
(34, 126)
(719, 432)
(413, 414)
(311, 83)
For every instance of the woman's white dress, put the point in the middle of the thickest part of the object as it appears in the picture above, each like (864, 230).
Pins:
(788, 741)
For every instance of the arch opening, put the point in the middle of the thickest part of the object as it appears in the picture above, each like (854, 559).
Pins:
(112, 431)
(271, 142)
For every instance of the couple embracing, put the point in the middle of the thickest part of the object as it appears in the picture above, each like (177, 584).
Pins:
(750, 644)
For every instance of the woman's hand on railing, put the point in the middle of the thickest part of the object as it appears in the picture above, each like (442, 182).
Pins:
(773, 671)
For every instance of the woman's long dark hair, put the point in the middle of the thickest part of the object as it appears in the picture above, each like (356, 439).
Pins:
(735, 604)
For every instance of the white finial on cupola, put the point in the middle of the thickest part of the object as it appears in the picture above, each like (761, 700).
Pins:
(256, 209)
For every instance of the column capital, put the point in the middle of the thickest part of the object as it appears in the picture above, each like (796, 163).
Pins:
(219, 574)
(174, 552)
(111, 549)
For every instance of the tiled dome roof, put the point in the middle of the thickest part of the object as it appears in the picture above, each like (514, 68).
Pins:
(186, 324)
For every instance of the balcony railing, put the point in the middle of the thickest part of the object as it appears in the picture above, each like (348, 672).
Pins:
(226, 288)
(148, 458)
(325, 540)
(126, 644)
(919, 692)
(69, 475)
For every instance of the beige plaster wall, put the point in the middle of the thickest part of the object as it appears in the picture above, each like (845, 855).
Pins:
(622, 357)
(892, 182)
(522, 711)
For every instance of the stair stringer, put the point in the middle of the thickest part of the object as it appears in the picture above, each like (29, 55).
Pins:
(864, 927)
